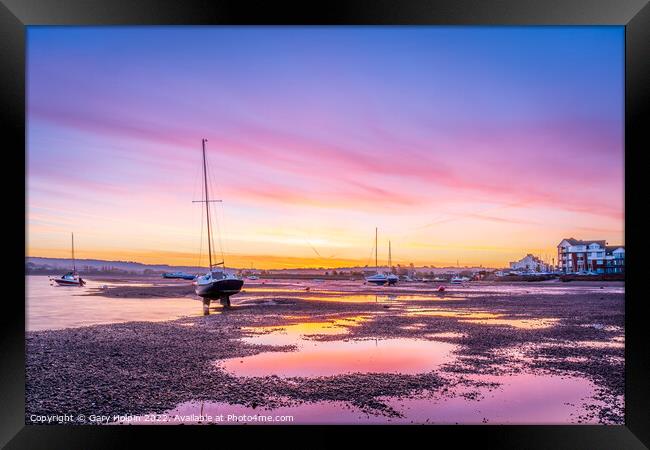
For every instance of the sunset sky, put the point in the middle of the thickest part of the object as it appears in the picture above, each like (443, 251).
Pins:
(476, 144)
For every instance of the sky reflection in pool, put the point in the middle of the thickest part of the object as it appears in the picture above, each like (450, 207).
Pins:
(323, 358)
(57, 307)
(520, 399)
(528, 324)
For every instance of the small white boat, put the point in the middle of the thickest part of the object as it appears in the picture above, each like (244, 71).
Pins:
(379, 278)
(253, 277)
(70, 278)
(457, 280)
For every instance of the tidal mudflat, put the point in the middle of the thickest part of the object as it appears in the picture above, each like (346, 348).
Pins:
(335, 352)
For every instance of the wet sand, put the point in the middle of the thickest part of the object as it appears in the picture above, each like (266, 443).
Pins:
(245, 356)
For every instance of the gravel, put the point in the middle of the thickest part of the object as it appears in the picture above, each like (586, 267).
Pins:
(150, 367)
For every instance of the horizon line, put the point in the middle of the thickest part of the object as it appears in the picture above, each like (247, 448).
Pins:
(432, 266)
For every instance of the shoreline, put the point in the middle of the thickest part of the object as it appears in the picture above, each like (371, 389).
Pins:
(151, 367)
(183, 288)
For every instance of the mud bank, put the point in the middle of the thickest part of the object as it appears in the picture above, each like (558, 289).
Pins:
(145, 367)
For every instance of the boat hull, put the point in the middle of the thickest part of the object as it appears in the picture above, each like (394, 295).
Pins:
(377, 282)
(218, 289)
(178, 277)
(62, 282)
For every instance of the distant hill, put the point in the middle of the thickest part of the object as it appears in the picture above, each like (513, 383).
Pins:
(38, 263)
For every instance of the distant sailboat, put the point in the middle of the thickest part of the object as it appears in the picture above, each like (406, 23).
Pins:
(379, 278)
(216, 284)
(252, 275)
(70, 278)
(391, 277)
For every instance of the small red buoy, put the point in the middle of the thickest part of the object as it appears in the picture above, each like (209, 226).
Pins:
(441, 289)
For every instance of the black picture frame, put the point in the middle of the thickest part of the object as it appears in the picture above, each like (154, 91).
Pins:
(15, 15)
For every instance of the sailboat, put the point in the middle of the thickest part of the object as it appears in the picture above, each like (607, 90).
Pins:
(379, 278)
(391, 278)
(70, 278)
(252, 275)
(217, 283)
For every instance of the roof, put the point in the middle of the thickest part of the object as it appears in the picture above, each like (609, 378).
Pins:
(573, 241)
(611, 248)
(531, 256)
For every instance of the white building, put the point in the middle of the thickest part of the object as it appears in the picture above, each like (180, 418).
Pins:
(594, 256)
(530, 263)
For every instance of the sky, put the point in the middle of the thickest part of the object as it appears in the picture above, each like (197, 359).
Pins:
(462, 145)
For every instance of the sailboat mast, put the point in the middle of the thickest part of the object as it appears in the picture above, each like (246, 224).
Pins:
(376, 263)
(390, 260)
(207, 204)
(74, 266)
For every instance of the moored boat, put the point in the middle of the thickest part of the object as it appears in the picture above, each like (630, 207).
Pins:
(70, 278)
(178, 275)
(215, 284)
(457, 280)
(391, 278)
(379, 278)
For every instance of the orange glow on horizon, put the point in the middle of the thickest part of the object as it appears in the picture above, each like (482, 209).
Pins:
(269, 262)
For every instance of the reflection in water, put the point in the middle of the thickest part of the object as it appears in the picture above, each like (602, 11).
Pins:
(483, 318)
(529, 324)
(447, 334)
(347, 290)
(290, 334)
(320, 358)
(520, 399)
(339, 357)
(50, 308)
(450, 313)
(375, 298)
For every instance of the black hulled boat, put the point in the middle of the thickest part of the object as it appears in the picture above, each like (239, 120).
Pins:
(217, 283)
